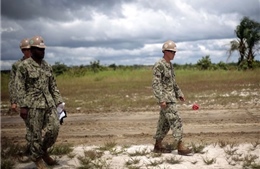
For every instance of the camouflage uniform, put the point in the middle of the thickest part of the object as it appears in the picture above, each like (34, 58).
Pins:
(37, 90)
(11, 85)
(12, 88)
(166, 90)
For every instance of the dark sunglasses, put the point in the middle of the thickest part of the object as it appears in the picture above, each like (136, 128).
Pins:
(173, 52)
(39, 49)
(27, 49)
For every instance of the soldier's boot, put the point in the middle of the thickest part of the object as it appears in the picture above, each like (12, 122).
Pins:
(40, 164)
(182, 150)
(48, 160)
(23, 156)
(159, 148)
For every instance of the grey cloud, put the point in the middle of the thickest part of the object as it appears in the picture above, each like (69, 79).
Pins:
(34, 9)
(61, 10)
(118, 30)
(245, 8)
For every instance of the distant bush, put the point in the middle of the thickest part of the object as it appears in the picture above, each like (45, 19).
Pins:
(204, 63)
(222, 65)
(59, 68)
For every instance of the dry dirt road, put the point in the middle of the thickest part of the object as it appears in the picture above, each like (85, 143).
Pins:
(128, 128)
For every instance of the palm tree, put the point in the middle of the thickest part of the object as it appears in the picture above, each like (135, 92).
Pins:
(237, 45)
(253, 39)
(248, 38)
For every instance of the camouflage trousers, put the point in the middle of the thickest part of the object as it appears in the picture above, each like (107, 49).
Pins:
(169, 119)
(27, 125)
(42, 130)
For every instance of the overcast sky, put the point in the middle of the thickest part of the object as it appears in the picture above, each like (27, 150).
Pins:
(123, 32)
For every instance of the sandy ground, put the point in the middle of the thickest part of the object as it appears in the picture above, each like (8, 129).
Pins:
(121, 158)
(137, 128)
(239, 125)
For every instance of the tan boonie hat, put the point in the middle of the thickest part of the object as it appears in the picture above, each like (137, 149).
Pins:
(24, 44)
(169, 45)
(37, 41)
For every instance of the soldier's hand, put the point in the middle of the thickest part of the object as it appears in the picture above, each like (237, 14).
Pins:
(14, 107)
(163, 105)
(182, 98)
(24, 112)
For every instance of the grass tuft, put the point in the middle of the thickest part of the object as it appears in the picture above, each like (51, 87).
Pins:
(140, 152)
(209, 161)
(255, 144)
(92, 159)
(61, 149)
(174, 160)
(154, 155)
(249, 160)
(194, 162)
(108, 146)
(230, 151)
(132, 161)
(155, 163)
(198, 148)
(222, 143)
(93, 154)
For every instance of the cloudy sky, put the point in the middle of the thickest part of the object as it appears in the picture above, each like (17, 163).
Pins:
(123, 32)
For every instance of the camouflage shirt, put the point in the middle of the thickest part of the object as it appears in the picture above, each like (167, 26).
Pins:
(36, 85)
(164, 85)
(11, 85)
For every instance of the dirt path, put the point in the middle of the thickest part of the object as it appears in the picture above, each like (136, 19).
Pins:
(127, 128)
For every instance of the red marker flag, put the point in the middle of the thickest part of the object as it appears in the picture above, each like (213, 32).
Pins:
(195, 106)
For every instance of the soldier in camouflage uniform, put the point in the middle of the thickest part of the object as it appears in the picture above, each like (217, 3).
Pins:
(38, 98)
(167, 92)
(25, 48)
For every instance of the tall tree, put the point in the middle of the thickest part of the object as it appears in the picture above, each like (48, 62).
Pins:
(247, 42)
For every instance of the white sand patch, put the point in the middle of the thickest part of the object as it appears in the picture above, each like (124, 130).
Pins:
(230, 156)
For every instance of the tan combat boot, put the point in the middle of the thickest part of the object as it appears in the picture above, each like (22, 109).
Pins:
(159, 148)
(182, 150)
(48, 160)
(40, 164)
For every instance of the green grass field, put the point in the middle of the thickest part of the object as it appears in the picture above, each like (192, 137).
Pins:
(130, 90)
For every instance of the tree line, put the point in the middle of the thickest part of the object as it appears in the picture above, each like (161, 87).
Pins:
(246, 44)
(203, 64)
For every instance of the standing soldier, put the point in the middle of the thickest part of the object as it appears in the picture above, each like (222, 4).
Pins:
(25, 48)
(167, 92)
(38, 98)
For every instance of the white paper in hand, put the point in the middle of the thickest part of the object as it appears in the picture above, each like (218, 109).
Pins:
(61, 112)
(60, 107)
(62, 115)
